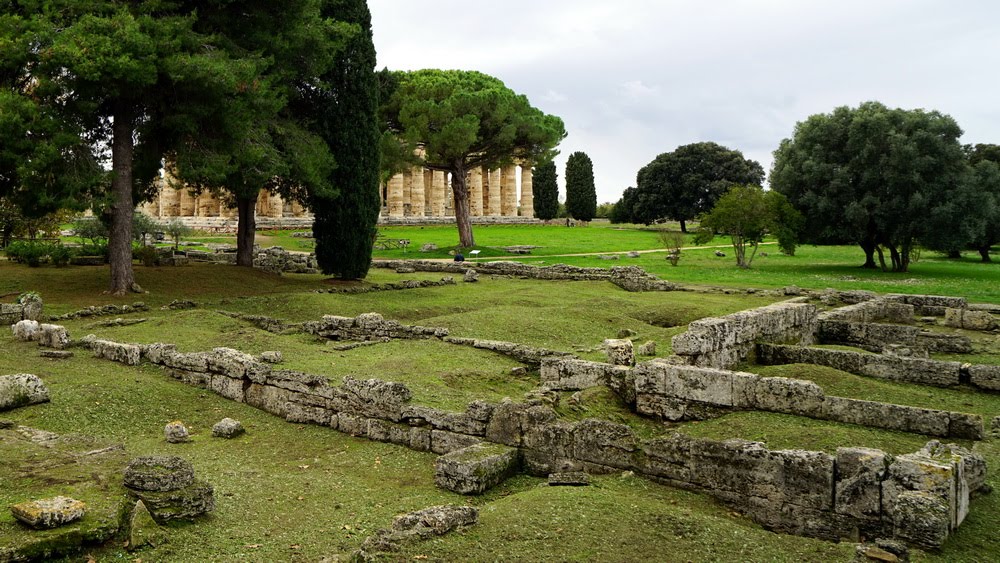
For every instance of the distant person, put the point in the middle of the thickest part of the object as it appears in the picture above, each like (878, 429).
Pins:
(459, 257)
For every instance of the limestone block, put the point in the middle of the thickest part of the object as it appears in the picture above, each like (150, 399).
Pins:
(505, 424)
(794, 396)
(604, 443)
(180, 504)
(175, 432)
(886, 415)
(808, 478)
(945, 343)
(156, 353)
(196, 362)
(128, 354)
(573, 375)
(305, 414)
(420, 439)
(921, 518)
(647, 349)
(228, 387)
(25, 330)
(470, 276)
(353, 425)
(21, 390)
(55, 354)
(158, 473)
(438, 520)
(272, 357)
(236, 364)
(227, 428)
(52, 336)
(706, 385)
(985, 376)
(859, 476)
(662, 407)
(547, 446)
(475, 469)
(268, 398)
(376, 398)
(49, 513)
(669, 457)
(969, 319)
(619, 352)
(444, 442)
(966, 426)
(462, 423)
(919, 473)
(385, 431)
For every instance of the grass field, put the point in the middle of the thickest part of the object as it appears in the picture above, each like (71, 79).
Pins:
(288, 492)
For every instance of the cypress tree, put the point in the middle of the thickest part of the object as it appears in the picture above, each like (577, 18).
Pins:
(581, 195)
(346, 112)
(546, 191)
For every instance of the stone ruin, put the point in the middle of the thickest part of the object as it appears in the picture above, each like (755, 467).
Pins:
(920, 498)
(28, 307)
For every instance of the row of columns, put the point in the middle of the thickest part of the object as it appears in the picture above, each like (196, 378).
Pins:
(175, 200)
(492, 193)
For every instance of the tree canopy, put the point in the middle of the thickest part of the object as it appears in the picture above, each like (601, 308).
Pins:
(581, 194)
(466, 119)
(545, 188)
(882, 178)
(747, 214)
(344, 111)
(686, 182)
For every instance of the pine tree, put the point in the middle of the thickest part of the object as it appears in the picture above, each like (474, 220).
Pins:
(581, 195)
(346, 118)
(546, 191)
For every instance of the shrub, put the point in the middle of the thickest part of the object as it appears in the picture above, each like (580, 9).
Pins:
(91, 229)
(148, 255)
(27, 252)
(59, 254)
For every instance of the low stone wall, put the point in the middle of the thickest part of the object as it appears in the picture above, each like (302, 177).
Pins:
(724, 342)
(879, 309)
(679, 392)
(911, 370)
(391, 286)
(274, 259)
(929, 305)
(368, 326)
(807, 493)
(867, 335)
(629, 278)
(520, 352)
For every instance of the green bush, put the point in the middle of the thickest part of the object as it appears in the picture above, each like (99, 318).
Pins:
(27, 252)
(94, 249)
(148, 255)
(59, 254)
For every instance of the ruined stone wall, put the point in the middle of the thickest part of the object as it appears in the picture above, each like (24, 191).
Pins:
(368, 326)
(896, 368)
(724, 342)
(921, 497)
(274, 259)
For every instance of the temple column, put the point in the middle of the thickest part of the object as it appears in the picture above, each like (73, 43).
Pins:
(170, 205)
(508, 202)
(298, 210)
(475, 185)
(495, 188)
(449, 196)
(417, 195)
(186, 202)
(437, 193)
(277, 206)
(395, 196)
(527, 195)
(407, 193)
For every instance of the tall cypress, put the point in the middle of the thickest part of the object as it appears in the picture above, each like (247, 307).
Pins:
(581, 195)
(346, 111)
(546, 191)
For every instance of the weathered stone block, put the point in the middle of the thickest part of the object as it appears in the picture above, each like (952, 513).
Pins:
(128, 354)
(158, 473)
(619, 352)
(859, 476)
(227, 428)
(156, 353)
(969, 319)
(781, 394)
(175, 432)
(921, 518)
(21, 390)
(385, 431)
(181, 504)
(52, 336)
(505, 424)
(25, 330)
(268, 398)
(303, 414)
(353, 425)
(375, 398)
(228, 387)
(420, 439)
(475, 469)
(462, 423)
(236, 364)
(985, 376)
(444, 442)
(438, 520)
(49, 513)
(605, 443)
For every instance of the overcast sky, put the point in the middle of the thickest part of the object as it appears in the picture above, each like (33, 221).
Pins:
(636, 78)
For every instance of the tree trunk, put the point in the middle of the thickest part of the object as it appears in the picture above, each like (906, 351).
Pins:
(461, 190)
(897, 261)
(684, 228)
(122, 208)
(868, 246)
(984, 252)
(954, 254)
(881, 257)
(246, 229)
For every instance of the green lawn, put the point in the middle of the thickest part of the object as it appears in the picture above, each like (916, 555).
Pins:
(289, 492)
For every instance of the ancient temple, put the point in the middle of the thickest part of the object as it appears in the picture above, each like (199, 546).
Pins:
(419, 194)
